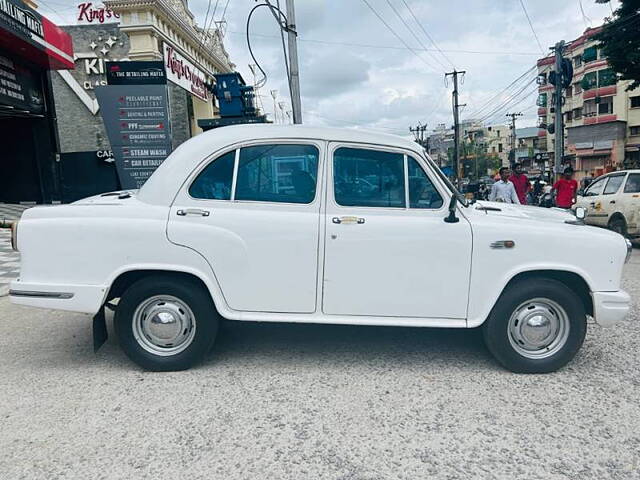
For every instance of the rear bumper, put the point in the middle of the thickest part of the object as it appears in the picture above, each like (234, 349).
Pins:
(610, 307)
(73, 298)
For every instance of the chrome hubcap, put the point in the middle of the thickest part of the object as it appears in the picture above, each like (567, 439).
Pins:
(164, 325)
(538, 328)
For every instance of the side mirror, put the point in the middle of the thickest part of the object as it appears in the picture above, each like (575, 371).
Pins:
(451, 218)
(580, 192)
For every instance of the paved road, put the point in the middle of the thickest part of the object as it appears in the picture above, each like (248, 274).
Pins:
(310, 402)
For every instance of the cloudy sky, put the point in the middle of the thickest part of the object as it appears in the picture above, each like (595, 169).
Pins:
(354, 71)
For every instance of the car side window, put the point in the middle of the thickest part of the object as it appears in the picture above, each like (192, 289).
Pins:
(613, 185)
(214, 182)
(277, 173)
(368, 178)
(633, 183)
(422, 193)
(595, 188)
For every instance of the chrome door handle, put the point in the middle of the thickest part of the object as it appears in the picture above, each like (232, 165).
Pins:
(193, 211)
(348, 220)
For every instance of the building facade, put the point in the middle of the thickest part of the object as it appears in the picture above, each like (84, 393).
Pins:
(601, 118)
(31, 47)
(150, 30)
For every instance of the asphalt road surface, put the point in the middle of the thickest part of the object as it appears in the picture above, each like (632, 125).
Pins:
(311, 402)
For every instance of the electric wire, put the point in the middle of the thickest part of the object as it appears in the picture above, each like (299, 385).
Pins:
(487, 103)
(206, 18)
(398, 36)
(531, 25)
(424, 30)
(505, 103)
(392, 47)
(414, 35)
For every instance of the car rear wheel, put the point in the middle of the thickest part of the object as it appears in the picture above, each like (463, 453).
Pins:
(166, 323)
(537, 326)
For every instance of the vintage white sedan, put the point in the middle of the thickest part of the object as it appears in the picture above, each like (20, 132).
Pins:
(296, 224)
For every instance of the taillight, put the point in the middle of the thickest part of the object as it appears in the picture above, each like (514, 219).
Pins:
(14, 235)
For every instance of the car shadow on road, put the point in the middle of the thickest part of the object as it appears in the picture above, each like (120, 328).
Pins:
(310, 343)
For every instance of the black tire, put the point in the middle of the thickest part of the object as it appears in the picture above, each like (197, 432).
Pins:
(618, 224)
(498, 336)
(190, 293)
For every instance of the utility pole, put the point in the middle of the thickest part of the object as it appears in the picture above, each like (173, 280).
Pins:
(456, 122)
(513, 136)
(294, 80)
(418, 133)
(559, 121)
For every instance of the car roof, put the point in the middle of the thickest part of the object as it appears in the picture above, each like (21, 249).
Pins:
(164, 183)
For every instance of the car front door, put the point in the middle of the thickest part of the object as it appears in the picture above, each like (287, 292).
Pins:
(592, 201)
(253, 213)
(388, 251)
(611, 196)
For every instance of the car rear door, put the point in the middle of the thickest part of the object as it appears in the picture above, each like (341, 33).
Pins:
(253, 213)
(629, 203)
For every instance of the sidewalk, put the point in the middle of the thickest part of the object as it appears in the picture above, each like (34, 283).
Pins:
(9, 259)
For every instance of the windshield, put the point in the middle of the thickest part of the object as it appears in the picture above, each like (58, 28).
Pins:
(445, 179)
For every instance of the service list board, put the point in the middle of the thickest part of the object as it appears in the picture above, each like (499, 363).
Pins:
(136, 118)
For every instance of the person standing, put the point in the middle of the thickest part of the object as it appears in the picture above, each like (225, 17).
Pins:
(565, 189)
(503, 190)
(520, 183)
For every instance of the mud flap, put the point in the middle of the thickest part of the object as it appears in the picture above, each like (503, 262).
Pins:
(99, 330)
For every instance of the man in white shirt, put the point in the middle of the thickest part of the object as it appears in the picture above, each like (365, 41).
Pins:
(503, 190)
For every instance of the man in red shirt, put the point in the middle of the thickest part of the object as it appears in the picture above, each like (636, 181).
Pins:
(566, 189)
(520, 183)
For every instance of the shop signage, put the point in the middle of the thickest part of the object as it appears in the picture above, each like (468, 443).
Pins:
(184, 73)
(136, 118)
(21, 19)
(19, 87)
(89, 12)
(135, 73)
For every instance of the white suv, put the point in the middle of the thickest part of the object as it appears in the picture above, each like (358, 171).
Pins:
(613, 201)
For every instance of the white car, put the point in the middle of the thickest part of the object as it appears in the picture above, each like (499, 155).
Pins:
(271, 223)
(613, 201)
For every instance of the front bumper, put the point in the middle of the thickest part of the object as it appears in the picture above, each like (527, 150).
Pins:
(73, 298)
(610, 308)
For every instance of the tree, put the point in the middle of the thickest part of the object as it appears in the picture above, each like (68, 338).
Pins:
(620, 41)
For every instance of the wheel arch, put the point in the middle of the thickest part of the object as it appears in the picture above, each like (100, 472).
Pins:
(127, 278)
(617, 215)
(573, 280)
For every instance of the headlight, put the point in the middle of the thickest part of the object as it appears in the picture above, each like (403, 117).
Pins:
(14, 235)
(629, 250)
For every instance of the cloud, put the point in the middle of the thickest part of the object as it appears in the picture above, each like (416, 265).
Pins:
(389, 87)
(328, 75)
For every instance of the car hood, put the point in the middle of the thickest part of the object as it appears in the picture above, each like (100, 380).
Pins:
(525, 212)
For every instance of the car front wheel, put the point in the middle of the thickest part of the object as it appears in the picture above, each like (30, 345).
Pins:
(537, 326)
(166, 323)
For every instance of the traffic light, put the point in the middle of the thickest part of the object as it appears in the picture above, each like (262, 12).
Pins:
(566, 74)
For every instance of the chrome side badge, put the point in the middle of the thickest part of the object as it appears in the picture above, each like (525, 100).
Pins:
(503, 244)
